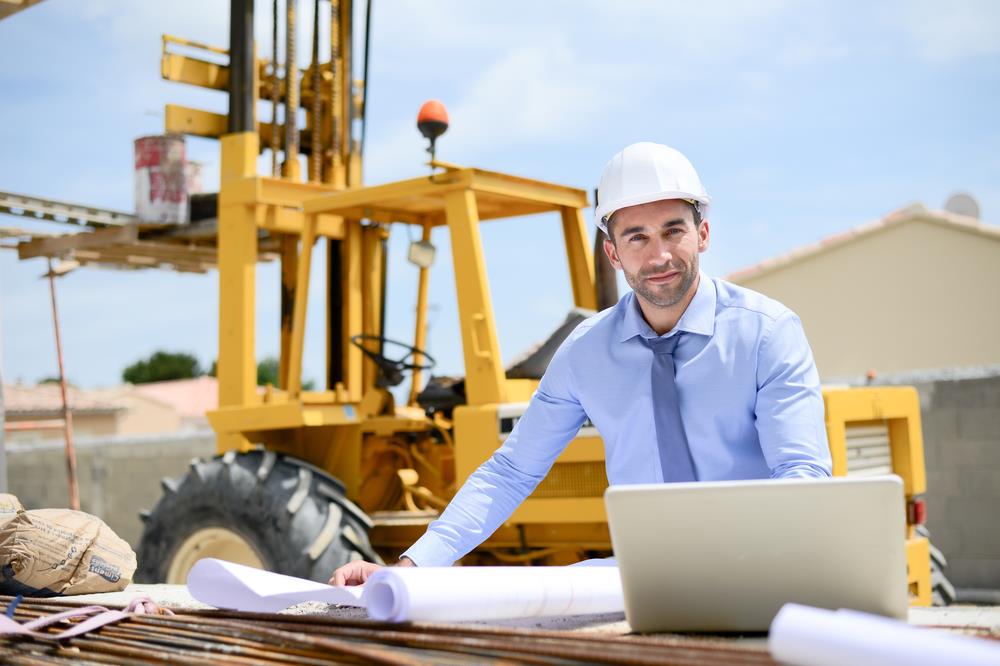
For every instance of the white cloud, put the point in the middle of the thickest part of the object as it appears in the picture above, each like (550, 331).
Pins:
(129, 23)
(688, 31)
(952, 31)
(537, 94)
(531, 96)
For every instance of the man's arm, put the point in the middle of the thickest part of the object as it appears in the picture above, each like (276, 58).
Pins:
(789, 407)
(499, 485)
(491, 493)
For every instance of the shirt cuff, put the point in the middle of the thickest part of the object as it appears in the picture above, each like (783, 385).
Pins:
(430, 551)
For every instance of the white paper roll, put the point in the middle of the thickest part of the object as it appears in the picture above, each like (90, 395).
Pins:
(807, 636)
(399, 594)
(449, 594)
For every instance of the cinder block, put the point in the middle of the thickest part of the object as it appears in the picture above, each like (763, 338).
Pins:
(972, 453)
(943, 483)
(979, 520)
(948, 541)
(974, 572)
(979, 423)
(984, 392)
(945, 394)
(946, 526)
(982, 483)
(939, 425)
(988, 389)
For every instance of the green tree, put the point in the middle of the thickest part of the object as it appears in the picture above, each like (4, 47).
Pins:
(162, 366)
(54, 380)
(267, 373)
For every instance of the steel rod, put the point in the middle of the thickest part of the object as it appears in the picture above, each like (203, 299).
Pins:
(275, 91)
(291, 167)
(420, 326)
(74, 489)
(316, 114)
(241, 67)
(231, 638)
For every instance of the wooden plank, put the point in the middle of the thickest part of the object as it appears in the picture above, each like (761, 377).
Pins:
(64, 212)
(50, 247)
(161, 251)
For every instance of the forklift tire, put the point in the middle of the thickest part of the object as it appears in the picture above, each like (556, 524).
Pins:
(942, 591)
(268, 510)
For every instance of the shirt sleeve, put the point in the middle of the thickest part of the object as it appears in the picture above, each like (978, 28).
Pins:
(789, 408)
(491, 493)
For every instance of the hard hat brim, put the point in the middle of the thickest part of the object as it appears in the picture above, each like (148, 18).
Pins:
(601, 214)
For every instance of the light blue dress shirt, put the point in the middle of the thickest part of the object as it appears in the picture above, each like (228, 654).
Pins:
(749, 399)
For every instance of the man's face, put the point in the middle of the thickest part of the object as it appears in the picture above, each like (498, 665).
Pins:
(657, 245)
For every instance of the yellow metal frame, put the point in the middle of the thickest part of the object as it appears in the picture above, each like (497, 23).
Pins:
(899, 409)
(248, 203)
(456, 198)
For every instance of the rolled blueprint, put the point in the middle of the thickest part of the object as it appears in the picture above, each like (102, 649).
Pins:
(447, 594)
(807, 636)
(398, 594)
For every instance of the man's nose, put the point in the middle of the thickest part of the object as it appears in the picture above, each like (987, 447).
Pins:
(659, 251)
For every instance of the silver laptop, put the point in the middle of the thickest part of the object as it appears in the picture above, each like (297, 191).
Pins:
(725, 556)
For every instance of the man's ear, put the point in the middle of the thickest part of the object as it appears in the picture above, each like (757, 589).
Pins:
(703, 236)
(612, 252)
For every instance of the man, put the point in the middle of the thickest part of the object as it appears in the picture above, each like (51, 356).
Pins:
(686, 378)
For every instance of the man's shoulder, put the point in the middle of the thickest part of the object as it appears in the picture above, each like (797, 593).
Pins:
(598, 327)
(742, 301)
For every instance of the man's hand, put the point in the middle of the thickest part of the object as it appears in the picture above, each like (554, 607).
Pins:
(356, 573)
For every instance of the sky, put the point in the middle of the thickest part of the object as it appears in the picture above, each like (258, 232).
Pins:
(803, 118)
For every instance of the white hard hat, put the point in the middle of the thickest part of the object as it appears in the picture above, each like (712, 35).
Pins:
(646, 172)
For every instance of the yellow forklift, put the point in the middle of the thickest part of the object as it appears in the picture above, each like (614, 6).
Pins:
(305, 481)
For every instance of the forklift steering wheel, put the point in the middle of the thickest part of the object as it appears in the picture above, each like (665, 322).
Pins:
(391, 371)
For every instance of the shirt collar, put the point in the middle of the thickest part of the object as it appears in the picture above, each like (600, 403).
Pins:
(699, 317)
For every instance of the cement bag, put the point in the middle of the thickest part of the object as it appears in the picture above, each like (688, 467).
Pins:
(9, 506)
(49, 552)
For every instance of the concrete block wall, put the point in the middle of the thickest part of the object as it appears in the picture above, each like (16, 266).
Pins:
(961, 425)
(117, 477)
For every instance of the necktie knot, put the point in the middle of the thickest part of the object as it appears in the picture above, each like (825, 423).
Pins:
(664, 345)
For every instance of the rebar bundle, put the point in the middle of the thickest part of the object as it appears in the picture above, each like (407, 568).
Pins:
(215, 637)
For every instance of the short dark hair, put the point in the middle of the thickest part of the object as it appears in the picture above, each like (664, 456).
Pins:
(695, 213)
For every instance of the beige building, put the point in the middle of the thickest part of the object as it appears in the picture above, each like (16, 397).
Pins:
(916, 290)
(184, 400)
(34, 413)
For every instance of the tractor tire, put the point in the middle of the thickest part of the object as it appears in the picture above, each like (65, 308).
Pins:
(257, 508)
(942, 591)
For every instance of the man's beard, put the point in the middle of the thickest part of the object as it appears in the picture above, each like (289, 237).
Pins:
(664, 296)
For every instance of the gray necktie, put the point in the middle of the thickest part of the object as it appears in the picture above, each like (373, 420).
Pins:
(675, 456)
